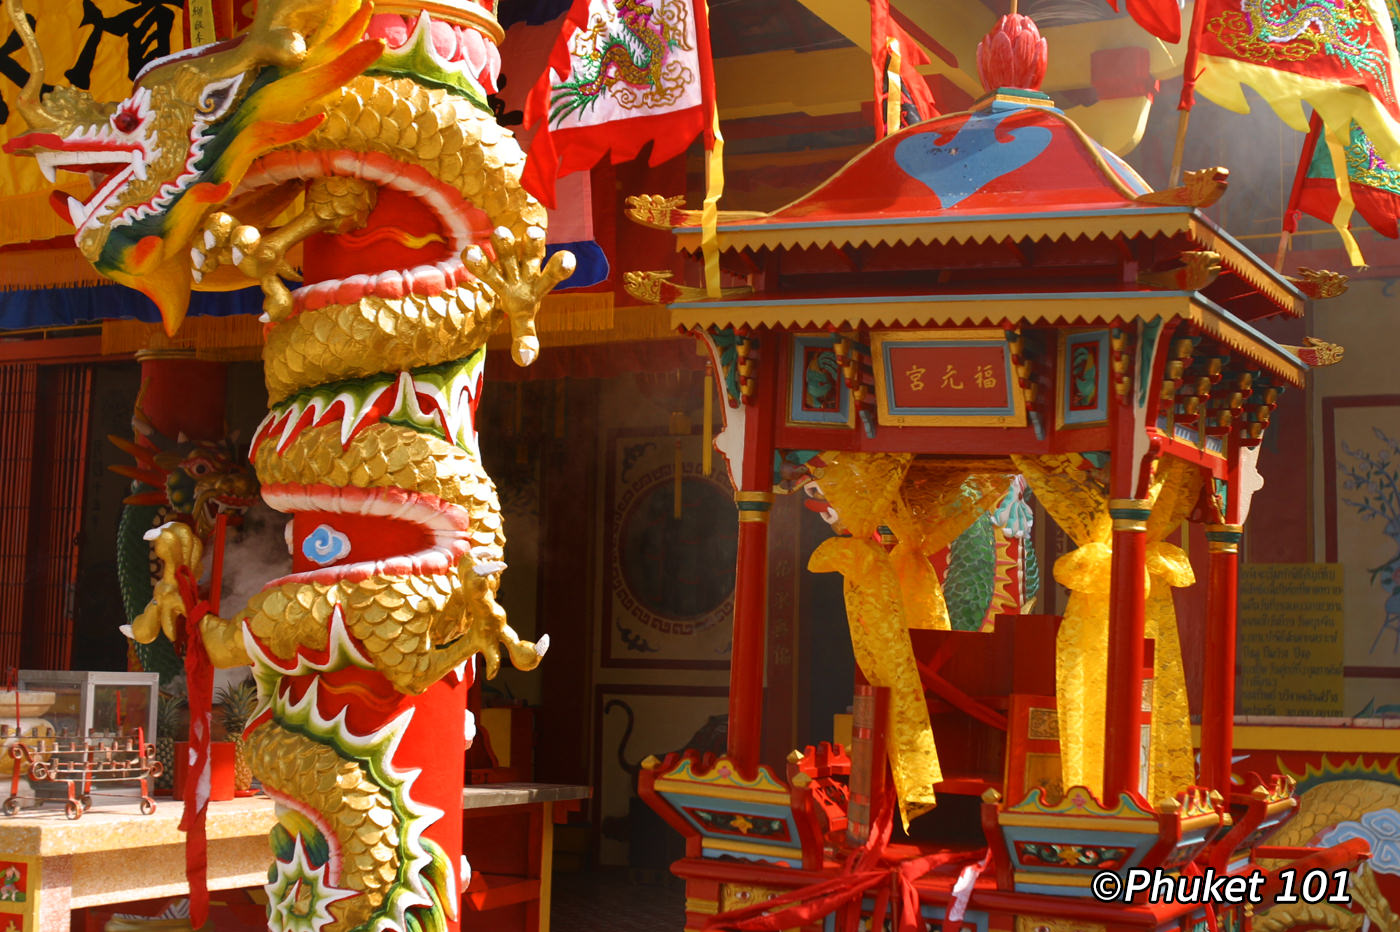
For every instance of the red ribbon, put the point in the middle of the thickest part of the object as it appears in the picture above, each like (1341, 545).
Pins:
(199, 681)
(864, 871)
(1192, 869)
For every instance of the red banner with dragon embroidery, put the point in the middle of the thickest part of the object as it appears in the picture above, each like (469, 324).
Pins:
(622, 74)
(1338, 56)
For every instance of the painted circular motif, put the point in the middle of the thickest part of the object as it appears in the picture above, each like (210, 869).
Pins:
(678, 569)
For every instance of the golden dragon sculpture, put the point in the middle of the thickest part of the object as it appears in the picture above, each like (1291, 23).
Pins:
(363, 139)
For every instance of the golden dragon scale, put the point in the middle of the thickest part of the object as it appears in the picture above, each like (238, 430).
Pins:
(364, 138)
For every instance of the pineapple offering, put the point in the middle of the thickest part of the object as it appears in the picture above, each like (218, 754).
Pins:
(236, 703)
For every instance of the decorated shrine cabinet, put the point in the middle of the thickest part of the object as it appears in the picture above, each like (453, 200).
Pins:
(978, 305)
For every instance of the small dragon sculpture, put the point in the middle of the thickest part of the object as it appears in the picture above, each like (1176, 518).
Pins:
(190, 481)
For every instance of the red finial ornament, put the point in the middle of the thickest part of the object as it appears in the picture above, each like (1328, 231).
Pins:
(1013, 54)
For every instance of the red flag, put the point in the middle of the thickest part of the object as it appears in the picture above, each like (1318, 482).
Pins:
(886, 36)
(622, 74)
(1162, 18)
(1365, 184)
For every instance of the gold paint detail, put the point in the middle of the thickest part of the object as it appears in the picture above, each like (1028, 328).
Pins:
(1044, 725)
(1202, 188)
(1194, 271)
(1224, 538)
(1320, 283)
(1316, 352)
(734, 896)
(657, 288)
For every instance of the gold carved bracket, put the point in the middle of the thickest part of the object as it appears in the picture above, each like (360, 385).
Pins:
(1203, 188)
(656, 287)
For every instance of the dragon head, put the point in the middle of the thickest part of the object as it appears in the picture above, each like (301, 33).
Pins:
(179, 145)
(197, 480)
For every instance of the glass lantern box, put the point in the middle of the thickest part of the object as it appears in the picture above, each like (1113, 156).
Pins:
(97, 703)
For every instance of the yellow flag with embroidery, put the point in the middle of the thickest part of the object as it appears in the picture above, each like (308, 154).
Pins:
(95, 45)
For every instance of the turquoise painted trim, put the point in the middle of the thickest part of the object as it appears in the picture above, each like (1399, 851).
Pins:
(783, 814)
(1215, 443)
(934, 219)
(797, 382)
(753, 506)
(895, 409)
(938, 298)
(1150, 333)
(1100, 411)
(750, 856)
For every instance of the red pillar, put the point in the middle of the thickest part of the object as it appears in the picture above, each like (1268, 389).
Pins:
(755, 499)
(1218, 695)
(1126, 623)
(181, 394)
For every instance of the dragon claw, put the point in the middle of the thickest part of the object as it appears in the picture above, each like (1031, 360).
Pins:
(520, 277)
(177, 546)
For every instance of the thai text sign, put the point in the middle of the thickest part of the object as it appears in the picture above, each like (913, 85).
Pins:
(957, 376)
(1290, 639)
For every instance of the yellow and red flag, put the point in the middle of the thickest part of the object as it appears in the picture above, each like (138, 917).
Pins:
(1338, 56)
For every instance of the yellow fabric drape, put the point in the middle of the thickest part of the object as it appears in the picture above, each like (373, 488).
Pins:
(1172, 766)
(1077, 499)
(881, 645)
(863, 489)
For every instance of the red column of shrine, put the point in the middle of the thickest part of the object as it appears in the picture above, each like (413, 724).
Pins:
(1127, 610)
(1126, 624)
(754, 499)
(1218, 694)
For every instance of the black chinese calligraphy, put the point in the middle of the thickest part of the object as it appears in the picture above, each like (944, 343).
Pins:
(146, 25)
(13, 71)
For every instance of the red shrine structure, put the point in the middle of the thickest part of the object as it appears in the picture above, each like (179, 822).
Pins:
(986, 301)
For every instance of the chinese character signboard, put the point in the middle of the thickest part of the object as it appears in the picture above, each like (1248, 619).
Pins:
(946, 377)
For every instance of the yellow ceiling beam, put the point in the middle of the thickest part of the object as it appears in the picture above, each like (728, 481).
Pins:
(1071, 47)
(817, 83)
(852, 20)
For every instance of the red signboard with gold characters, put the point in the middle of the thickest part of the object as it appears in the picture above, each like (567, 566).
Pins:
(946, 377)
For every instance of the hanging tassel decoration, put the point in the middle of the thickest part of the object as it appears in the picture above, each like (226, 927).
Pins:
(707, 449)
(676, 502)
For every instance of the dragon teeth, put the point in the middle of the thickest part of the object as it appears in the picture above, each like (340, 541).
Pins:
(77, 213)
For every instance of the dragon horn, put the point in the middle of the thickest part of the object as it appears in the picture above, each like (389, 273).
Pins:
(29, 104)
